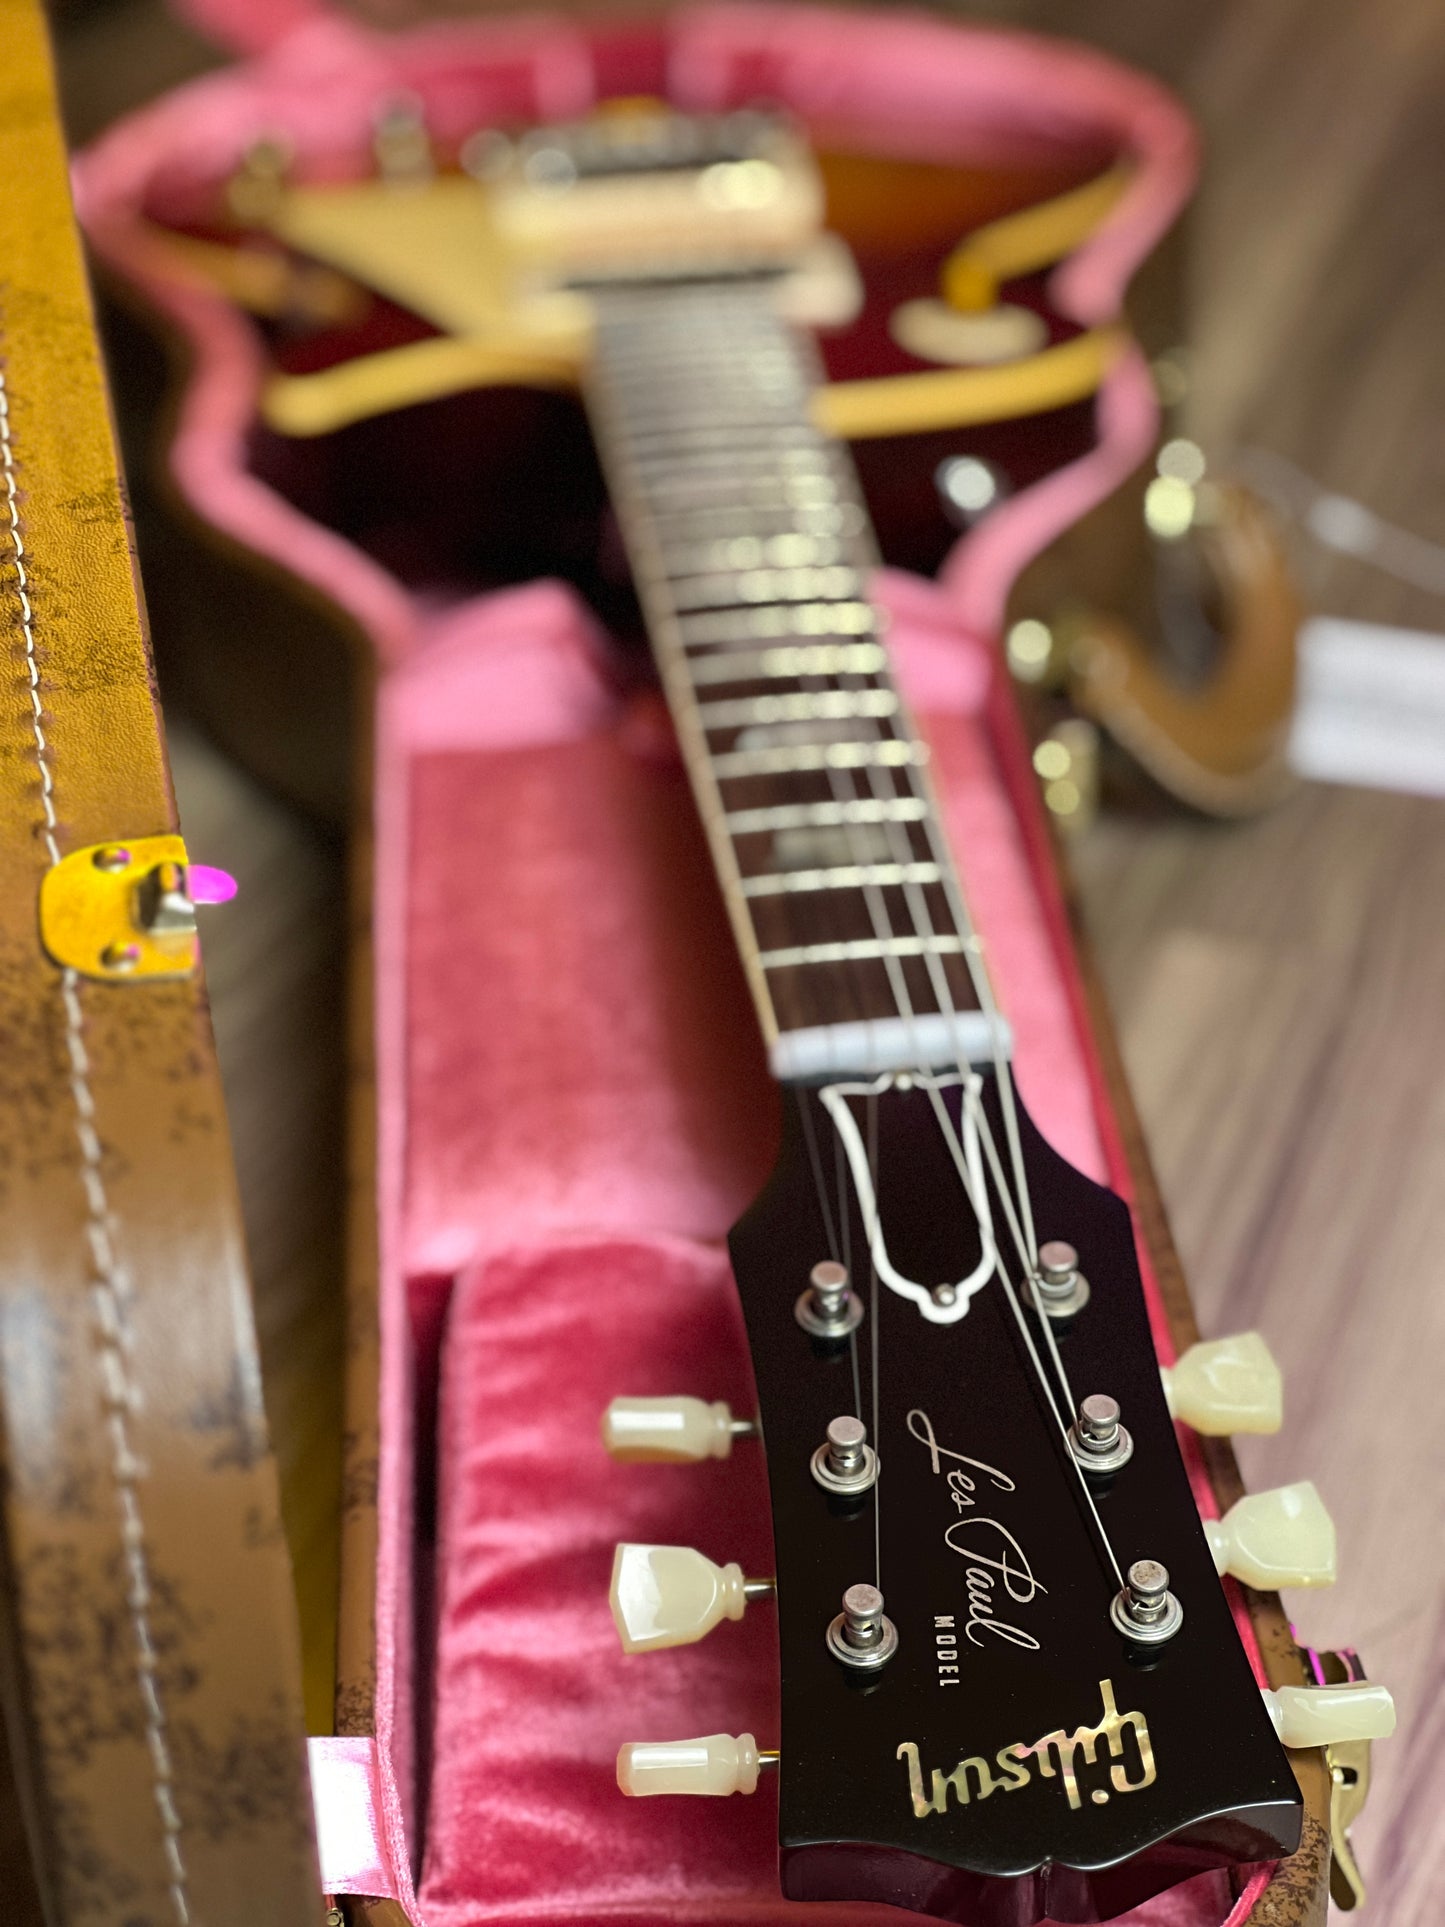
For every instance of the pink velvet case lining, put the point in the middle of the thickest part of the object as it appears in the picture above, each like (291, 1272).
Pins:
(573, 1102)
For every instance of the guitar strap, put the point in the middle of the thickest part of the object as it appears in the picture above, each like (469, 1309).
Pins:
(151, 1674)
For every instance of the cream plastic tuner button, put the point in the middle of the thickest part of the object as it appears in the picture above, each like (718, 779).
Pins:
(1273, 1539)
(671, 1595)
(1226, 1385)
(1327, 1715)
(679, 1429)
(716, 1764)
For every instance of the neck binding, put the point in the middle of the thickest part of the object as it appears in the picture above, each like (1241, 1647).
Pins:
(752, 553)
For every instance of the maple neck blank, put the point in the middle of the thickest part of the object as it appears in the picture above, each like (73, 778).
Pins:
(752, 552)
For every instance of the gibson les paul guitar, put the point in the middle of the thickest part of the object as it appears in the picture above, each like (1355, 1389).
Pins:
(1011, 1684)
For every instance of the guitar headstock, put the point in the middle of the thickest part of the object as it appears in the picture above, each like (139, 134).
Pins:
(1011, 1684)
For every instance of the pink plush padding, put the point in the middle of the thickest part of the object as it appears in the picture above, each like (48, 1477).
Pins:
(556, 1169)
(587, 1101)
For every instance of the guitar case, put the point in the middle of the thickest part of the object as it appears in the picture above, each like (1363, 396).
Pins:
(561, 1103)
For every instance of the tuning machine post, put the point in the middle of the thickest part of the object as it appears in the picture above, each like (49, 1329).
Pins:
(1146, 1612)
(1098, 1441)
(845, 1464)
(829, 1308)
(1058, 1287)
(862, 1636)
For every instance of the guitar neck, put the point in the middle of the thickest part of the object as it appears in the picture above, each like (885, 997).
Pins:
(752, 553)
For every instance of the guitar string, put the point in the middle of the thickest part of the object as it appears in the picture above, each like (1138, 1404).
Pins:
(897, 982)
(873, 1345)
(893, 966)
(969, 1098)
(815, 1160)
(626, 488)
(836, 1247)
(843, 792)
(903, 1006)
(964, 929)
(902, 850)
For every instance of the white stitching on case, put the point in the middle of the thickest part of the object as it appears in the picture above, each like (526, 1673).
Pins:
(111, 1288)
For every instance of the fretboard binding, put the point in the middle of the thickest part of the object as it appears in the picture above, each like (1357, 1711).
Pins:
(861, 950)
(789, 665)
(823, 705)
(843, 876)
(826, 816)
(799, 758)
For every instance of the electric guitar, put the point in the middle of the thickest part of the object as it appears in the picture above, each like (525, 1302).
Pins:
(1012, 1688)
(1012, 1685)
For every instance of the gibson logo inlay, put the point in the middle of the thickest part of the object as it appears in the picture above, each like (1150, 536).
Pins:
(991, 1554)
(1056, 1755)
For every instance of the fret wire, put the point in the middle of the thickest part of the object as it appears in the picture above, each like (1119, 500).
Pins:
(788, 664)
(844, 520)
(841, 876)
(713, 629)
(824, 705)
(765, 588)
(861, 950)
(683, 559)
(647, 425)
(652, 414)
(691, 370)
(774, 496)
(829, 815)
(743, 437)
(801, 758)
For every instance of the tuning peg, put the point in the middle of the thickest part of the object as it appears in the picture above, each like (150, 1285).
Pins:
(671, 1595)
(716, 1764)
(1227, 1385)
(1273, 1539)
(677, 1429)
(1328, 1715)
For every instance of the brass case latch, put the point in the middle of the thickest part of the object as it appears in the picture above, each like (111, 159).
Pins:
(1349, 1765)
(121, 911)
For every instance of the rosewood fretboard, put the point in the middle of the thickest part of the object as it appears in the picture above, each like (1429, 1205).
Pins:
(752, 551)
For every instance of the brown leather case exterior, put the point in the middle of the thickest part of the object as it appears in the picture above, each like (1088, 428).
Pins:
(151, 1670)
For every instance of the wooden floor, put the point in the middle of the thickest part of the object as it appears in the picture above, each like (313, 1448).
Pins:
(1280, 987)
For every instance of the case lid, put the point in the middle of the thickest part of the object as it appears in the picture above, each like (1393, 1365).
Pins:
(152, 1678)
